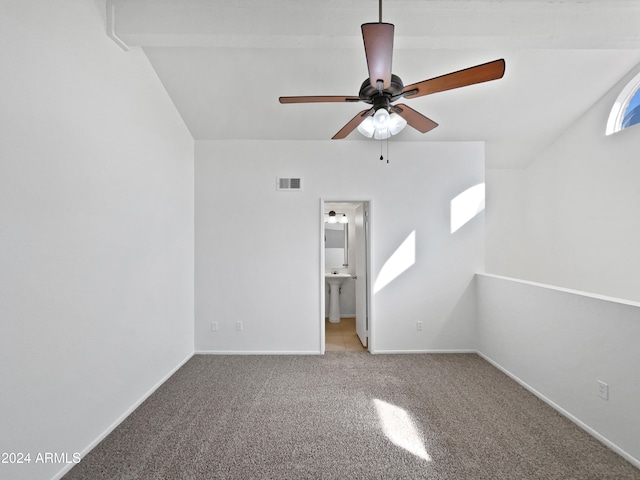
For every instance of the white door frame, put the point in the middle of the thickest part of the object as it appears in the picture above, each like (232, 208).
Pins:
(370, 307)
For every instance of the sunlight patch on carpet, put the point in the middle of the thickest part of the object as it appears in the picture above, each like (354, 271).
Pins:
(400, 429)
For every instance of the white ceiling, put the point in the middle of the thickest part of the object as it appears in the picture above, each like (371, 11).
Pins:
(225, 63)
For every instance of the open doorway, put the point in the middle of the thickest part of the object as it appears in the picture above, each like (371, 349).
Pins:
(345, 267)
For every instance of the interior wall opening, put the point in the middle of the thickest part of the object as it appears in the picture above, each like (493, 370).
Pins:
(345, 276)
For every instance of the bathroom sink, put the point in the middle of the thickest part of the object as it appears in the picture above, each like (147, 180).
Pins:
(336, 278)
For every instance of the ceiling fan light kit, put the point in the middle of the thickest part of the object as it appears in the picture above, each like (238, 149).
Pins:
(392, 125)
(382, 88)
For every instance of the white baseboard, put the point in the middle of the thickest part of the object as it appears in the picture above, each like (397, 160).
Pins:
(120, 419)
(385, 352)
(628, 457)
(254, 352)
(317, 352)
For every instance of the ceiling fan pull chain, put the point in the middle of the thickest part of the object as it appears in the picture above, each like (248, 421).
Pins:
(381, 157)
(388, 149)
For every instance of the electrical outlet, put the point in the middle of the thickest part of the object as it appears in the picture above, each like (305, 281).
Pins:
(239, 326)
(603, 390)
(419, 326)
(214, 326)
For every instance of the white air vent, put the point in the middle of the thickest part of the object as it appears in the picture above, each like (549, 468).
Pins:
(288, 183)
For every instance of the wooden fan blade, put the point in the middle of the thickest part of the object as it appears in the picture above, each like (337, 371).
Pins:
(378, 47)
(415, 119)
(318, 99)
(469, 76)
(353, 124)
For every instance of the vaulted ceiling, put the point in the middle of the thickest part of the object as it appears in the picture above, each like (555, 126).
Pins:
(225, 63)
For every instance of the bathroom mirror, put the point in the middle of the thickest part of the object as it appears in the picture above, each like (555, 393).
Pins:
(336, 244)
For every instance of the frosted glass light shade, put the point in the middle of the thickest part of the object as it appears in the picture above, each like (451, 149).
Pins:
(381, 119)
(382, 134)
(366, 128)
(396, 123)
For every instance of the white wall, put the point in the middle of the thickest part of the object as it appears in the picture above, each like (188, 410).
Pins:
(559, 343)
(96, 231)
(258, 250)
(579, 203)
(570, 219)
(505, 226)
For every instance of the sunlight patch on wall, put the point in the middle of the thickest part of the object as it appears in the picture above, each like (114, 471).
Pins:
(400, 429)
(403, 258)
(466, 206)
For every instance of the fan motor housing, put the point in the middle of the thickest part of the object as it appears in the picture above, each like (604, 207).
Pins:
(369, 93)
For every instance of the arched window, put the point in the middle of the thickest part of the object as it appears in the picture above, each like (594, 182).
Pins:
(632, 112)
(626, 109)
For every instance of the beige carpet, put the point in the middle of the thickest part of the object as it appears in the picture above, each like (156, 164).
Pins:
(347, 416)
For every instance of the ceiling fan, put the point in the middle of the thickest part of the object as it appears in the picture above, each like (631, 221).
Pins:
(383, 88)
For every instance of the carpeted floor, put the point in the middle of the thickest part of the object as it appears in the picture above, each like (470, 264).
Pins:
(347, 416)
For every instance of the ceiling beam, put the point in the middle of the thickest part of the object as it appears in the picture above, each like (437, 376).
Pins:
(442, 24)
